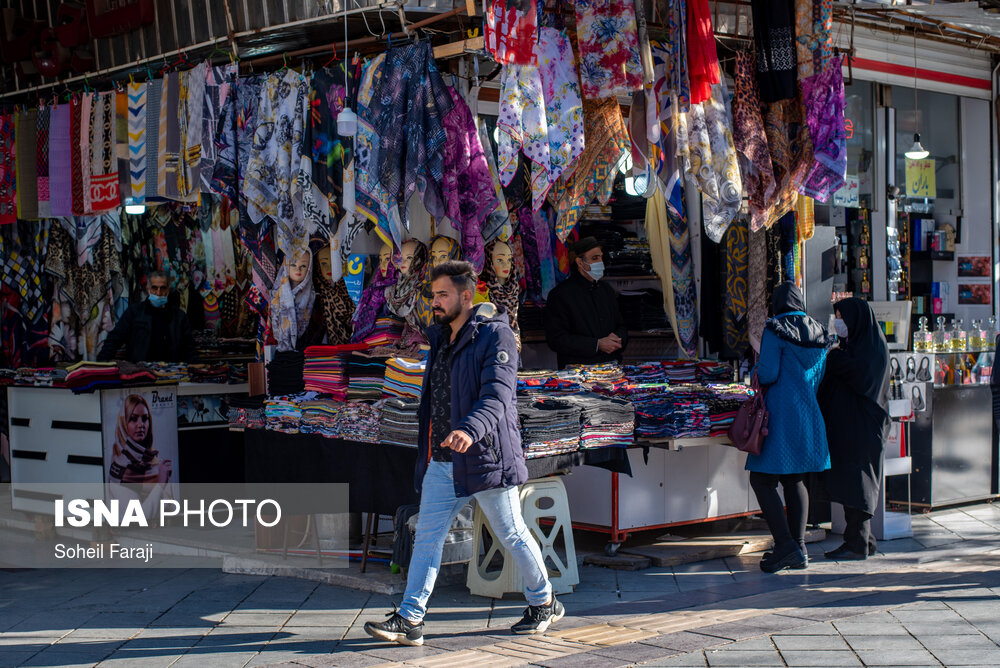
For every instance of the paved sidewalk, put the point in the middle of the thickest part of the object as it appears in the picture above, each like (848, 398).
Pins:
(930, 600)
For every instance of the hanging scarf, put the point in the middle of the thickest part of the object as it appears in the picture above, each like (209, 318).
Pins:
(791, 153)
(607, 143)
(60, 162)
(757, 287)
(137, 141)
(234, 138)
(121, 147)
(22, 250)
(401, 297)
(8, 172)
(703, 61)
(735, 333)
(750, 140)
(76, 138)
(824, 99)
(373, 301)
(523, 127)
(335, 309)
(291, 307)
(26, 136)
(170, 137)
(511, 29)
(328, 149)
(470, 195)
(506, 295)
(154, 93)
(189, 118)
(217, 88)
(497, 224)
(774, 36)
(42, 167)
(608, 42)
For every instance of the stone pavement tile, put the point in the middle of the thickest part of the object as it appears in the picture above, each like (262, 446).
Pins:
(127, 660)
(391, 652)
(40, 638)
(85, 645)
(273, 660)
(288, 632)
(588, 660)
(236, 638)
(316, 618)
(14, 658)
(196, 659)
(827, 613)
(812, 629)
(110, 633)
(49, 623)
(958, 628)
(886, 642)
(753, 626)
(968, 657)
(49, 657)
(276, 619)
(750, 657)
(809, 642)
(852, 628)
(904, 615)
(684, 641)
(821, 657)
(634, 652)
(340, 659)
(186, 620)
(303, 645)
(892, 657)
(934, 643)
(691, 660)
(764, 642)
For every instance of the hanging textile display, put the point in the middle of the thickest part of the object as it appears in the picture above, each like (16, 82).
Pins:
(26, 138)
(608, 42)
(734, 317)
(510, 30)
(401, 298)
(705, 143)
(137, 142)
(750, 140)
(191, 92)
(104, 162)
(703, 61)
(60, 163)
(329, 151)
(154, 92)
(563, 107)
(658, 233)
(292, 301)
(824, 99)
(22, 249)
(805, 217)
(170, 138)
(42, 155)
(758, 302)
(497, 224)
(122, 146)
(774, 37)
(791, 153)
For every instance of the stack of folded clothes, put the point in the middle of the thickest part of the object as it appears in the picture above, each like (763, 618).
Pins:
(671, 417)
(366, 376)
(549, 425)
(237, 373)
(91, 376)
(283, 414)
(359, 421)
(285, 373)
(208, 373)
(7, 377)
(403, 377)
(49, 377)
(168, 373)
(710, 371)
(247, 413)
(606, 421)
(135, 374)
(399, 424)
(680, 371)
(547, 381)
(386, 332)
(320, 416)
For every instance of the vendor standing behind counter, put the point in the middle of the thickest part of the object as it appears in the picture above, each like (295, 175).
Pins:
(152, 330)
(583, 323)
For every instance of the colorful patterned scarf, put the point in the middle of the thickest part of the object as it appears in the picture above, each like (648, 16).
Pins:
(511, 31)
(335, 295)
(608, 41)
(402, 296)
(137, 141)
(330, 152)
(734, 320)
(189, 117)
(26, 136)
(8, 172)
(791, 153)
(104, 160)
(291, 308)
(42, 153)
(774, 36)
(824, 99)
(372, 301)
(750, 140)
(154, 93)
(497, 224)
(60, 162)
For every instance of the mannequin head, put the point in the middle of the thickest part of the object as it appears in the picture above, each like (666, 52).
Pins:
(442, 250)
(298, 267)
(325, 263)
(384, 255)
(406, 252)
(503, 261)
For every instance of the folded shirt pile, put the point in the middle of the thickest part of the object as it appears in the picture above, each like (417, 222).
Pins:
(399, 423)
(90, 376)
(359, 421)
(284, 373)
(320, 416)
(403, 377)
(282, 414)
(547, 381)
(670, 418)
(366, 376)
(710, 371)
(208, 373)
(605, 421)
(549, 425)
(168, 373)
(681, 371)
(386, 332)
(247, 413)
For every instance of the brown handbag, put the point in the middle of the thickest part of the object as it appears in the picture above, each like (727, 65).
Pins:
(750, 426)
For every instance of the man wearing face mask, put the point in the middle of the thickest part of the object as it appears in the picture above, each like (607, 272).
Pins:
(152, 330)
(583, 323)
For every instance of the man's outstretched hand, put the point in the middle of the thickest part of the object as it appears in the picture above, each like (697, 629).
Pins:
(458, 441)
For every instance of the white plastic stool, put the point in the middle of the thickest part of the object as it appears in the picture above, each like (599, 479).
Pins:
(563, 573)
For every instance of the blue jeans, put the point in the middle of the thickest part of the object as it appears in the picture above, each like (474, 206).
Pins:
(438, 508)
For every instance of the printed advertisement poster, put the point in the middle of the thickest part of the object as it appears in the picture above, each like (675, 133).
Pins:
(974, 266)
(975, 294)
(921, 179)
(140, 444)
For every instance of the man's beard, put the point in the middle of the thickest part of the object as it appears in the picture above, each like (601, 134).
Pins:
(446, 317)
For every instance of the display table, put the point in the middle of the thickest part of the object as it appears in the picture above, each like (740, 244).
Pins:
(380, 475)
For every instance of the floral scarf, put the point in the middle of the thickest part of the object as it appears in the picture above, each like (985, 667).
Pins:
(791, 153)
(750, 140)
(42, 167)
(511, 29)
(373, 301)
(563, 106)
(608, 40)
(824, 99)
(291, 308)
(497, 224)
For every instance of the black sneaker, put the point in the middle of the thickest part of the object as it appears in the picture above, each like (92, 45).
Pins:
(538, 618)
(397, 629)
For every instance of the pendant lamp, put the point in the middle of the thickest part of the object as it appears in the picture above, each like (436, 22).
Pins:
(917, 150)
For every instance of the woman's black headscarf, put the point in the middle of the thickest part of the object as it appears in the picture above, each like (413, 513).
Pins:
(866, 343)
(797, 327)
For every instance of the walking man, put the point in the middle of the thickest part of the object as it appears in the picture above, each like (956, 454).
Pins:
(469, 445)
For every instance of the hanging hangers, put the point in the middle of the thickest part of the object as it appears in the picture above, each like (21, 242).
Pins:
(334, 58)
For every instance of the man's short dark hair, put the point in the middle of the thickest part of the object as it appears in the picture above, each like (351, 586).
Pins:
(461, 273)
(158, 273)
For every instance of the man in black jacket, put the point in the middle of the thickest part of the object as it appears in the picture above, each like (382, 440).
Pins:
(583, 323)
(152, 330)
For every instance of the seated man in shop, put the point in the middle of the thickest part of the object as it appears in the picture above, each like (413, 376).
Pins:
(583, 323)
(152, 330)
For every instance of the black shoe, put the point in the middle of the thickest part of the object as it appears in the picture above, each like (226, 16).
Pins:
(396, 629)
(872, 547)
(799, 567)
(538, 618)
(793, 559)
(844, 553)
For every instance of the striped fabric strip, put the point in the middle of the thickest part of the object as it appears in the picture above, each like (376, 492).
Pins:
(137, 141)
(42, 153)
(154, 90)
(165, 111)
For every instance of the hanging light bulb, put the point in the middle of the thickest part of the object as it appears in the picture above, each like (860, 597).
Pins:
(132, 208)
(347, 123)
(917, 151)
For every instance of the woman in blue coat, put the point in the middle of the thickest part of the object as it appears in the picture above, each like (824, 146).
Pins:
(792, 361)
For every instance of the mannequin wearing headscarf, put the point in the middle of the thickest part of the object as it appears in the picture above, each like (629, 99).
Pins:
(373, 298)
(855, 402)
(500, 283)
(442, 249)
(402, 297)
(292, 300)
(792, 360)
(333, 312)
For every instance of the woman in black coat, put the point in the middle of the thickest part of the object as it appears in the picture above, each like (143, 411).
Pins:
(854, 401)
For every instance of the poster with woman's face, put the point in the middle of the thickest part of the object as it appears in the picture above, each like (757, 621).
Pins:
(140, 443)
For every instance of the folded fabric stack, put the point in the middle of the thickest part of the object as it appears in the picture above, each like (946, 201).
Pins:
(90, 376)
(606, 421)
(602, 377)
(284, 373)
(236, 373)
(547, 381)
(403, 377)
(247, 413)
(359, 421)
(671, 418)
(8, 377)
(386, 332)
(399, 423)
(681, 371)
(135, 374)
(366, 376)
(208, 373)
(325, 369)
(282, 414)
(167, 373)
(549, 425)
(710, 371)
(320, 416)
(46, 377)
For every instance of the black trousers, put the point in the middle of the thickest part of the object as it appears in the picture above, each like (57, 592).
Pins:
(857, 532)
(787, 528)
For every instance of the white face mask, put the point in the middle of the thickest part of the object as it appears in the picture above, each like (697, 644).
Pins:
(596, 271)
(840, 327)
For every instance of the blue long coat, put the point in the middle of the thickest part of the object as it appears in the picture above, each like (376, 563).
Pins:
(796, 438)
